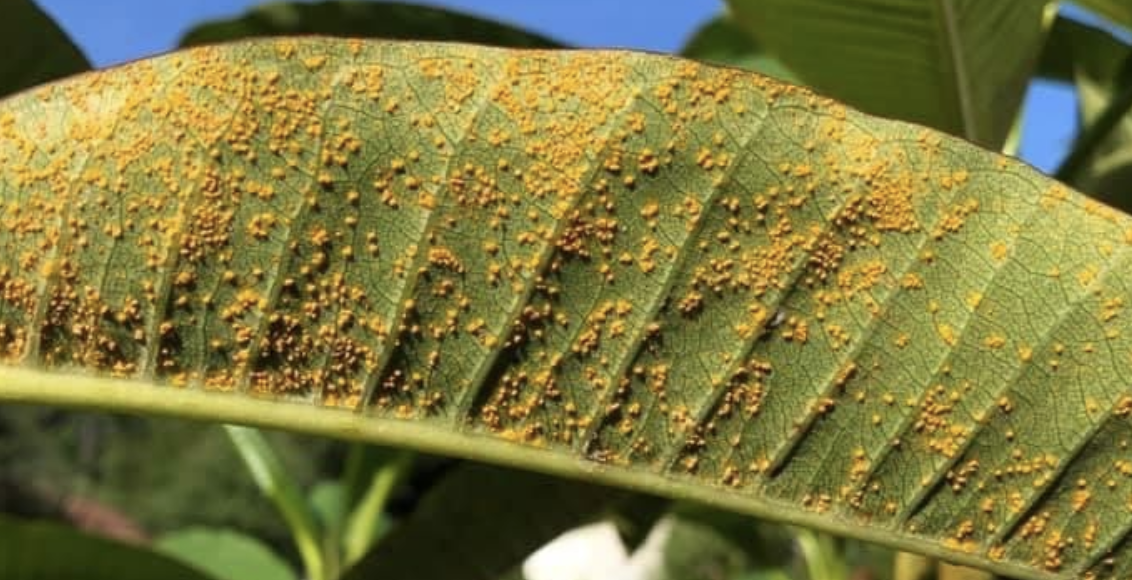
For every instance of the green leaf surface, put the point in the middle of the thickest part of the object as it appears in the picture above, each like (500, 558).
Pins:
(480, 522)
(1100, 66)
(364, 19)
(224, 554)
(624, 268)
(35, 49)
(39, 550)
(961, 66)
(723, 41)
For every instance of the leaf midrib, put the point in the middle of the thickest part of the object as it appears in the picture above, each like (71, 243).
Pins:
(73, 387)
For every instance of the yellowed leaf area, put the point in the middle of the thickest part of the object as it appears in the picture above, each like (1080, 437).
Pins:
(650, 266)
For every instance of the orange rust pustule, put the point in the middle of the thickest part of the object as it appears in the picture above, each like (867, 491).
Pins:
(630, 258)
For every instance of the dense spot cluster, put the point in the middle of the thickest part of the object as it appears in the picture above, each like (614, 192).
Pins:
(639, 261)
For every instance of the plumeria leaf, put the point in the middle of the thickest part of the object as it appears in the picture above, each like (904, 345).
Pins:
(624, 268)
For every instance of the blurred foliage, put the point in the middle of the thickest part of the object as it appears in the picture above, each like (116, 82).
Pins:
(38, 550)
(723, 41)
(487, 519)
(225, 554)
(97, 456)
(361, 19)
(1099, 66)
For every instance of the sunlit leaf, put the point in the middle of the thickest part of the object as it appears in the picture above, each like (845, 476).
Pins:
(957, 65)
(625, 268)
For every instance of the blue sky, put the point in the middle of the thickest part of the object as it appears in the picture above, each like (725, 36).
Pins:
(113, 31)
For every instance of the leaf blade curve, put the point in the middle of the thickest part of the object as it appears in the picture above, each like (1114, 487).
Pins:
(634, 269)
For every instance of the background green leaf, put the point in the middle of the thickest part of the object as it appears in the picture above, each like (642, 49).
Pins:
(480, 522)
(278, 485)
(355, 18)
(957, 65)
(35, 49)
(94, 455)
(696, 550)
(35, 550)
(329, 505)
(1100, 67)
(633, 269)
(1118, 11)
(732, 537)
(723, 41)
(225, 554)
(371, 479)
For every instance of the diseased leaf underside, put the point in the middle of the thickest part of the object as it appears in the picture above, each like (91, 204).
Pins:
(636, 260)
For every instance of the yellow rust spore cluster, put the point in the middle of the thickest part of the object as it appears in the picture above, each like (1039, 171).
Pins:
(635, 259)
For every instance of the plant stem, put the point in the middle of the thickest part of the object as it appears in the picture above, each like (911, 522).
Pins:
(275, 483)
(908, 566)
(360, 529)
(820, 555)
